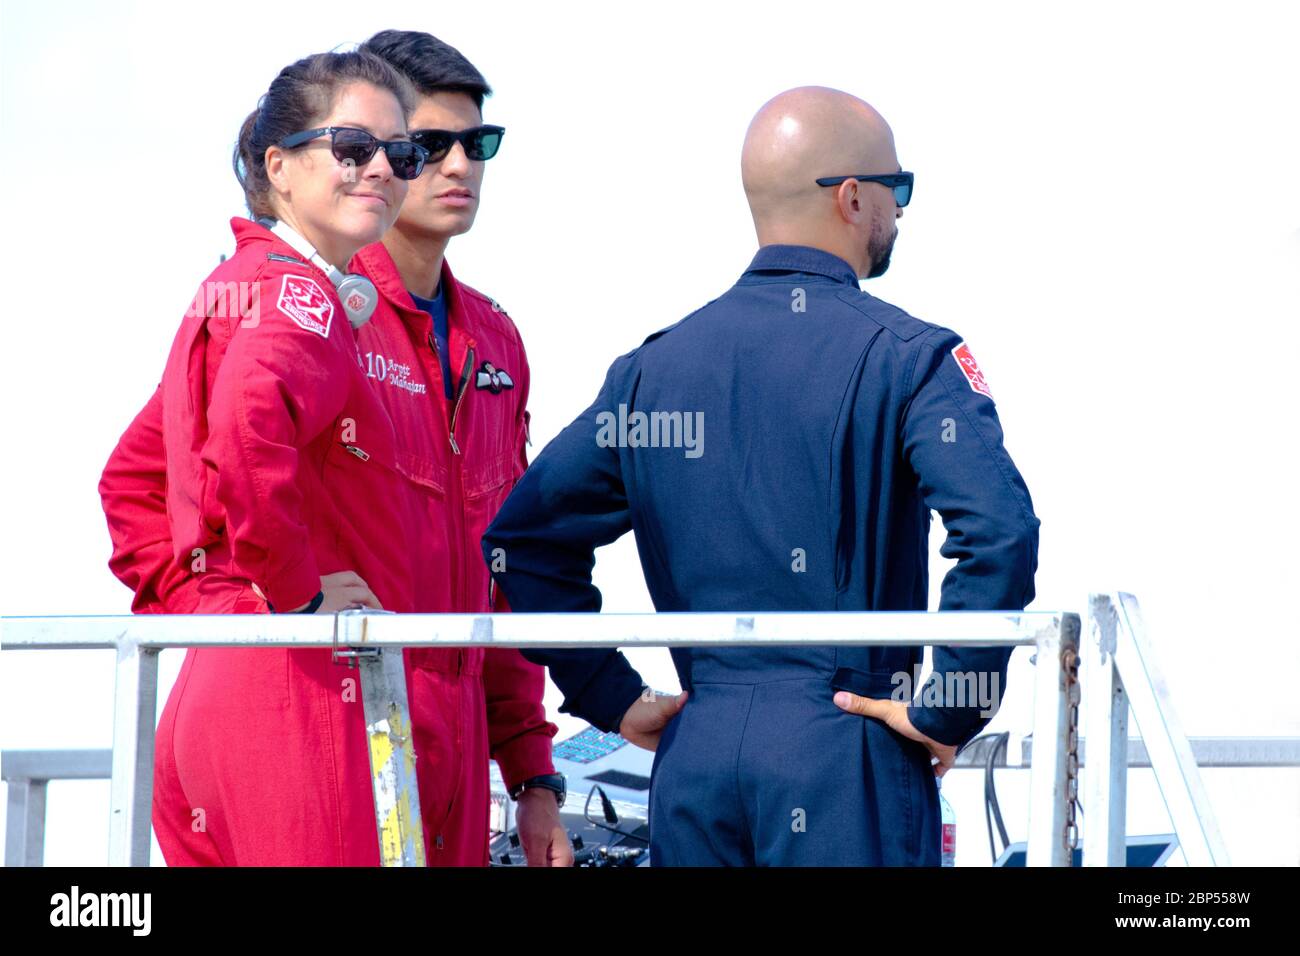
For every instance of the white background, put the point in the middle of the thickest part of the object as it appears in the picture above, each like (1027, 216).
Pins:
(1106, 208)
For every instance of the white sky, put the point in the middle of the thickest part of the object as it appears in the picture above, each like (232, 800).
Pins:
(1107, 208)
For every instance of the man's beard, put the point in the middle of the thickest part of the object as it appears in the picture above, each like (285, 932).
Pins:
(879, 249)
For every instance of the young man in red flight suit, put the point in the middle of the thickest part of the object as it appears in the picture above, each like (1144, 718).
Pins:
(461, 436)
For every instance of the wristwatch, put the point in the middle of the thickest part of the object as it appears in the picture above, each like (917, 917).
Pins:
(547, 781)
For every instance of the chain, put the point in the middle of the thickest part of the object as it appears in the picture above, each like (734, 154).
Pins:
(1070, 660)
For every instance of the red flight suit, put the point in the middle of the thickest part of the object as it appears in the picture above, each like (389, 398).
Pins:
(261, 753)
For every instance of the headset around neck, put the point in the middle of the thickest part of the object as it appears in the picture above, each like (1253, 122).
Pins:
(357, 293)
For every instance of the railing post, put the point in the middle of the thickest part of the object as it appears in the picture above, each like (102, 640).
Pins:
(1049, 791)
(134, 710)
(1105, 842)
(1167, 747)
(392, 756)
(25, 823)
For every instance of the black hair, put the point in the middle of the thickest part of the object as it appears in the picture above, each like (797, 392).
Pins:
(299, 98)
(431, 65)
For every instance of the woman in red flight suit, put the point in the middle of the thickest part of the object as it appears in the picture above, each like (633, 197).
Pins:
(282, 493)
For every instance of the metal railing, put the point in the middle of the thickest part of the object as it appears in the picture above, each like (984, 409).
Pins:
(364, 635)
(28, 774)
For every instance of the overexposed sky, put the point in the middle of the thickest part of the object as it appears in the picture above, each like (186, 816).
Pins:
(1107, 208)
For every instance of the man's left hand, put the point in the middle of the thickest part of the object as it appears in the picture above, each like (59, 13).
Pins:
(541, 833)
(644, 722)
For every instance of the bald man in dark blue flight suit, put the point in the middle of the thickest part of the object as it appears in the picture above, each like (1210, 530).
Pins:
(780, 449)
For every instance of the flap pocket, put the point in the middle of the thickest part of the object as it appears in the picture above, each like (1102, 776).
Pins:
(422, 472)
(488, 476)
(864, 683)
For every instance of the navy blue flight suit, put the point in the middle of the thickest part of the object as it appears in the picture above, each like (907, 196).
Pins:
(833, 422)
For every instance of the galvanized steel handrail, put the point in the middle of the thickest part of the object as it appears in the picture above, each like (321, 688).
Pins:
(137, 639)
(663, 629)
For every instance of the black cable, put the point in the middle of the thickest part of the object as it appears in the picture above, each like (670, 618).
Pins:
(609, 808)
(991, 795)
(992, 745)
(992, 810)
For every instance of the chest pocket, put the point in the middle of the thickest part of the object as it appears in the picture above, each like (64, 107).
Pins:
(359, 469)
(488, 470)
(427, 475)
(485, 477)
(362, 441)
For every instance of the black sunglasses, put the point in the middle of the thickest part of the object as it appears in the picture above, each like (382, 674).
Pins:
(480, 142)
(356, 146)
(901, 183)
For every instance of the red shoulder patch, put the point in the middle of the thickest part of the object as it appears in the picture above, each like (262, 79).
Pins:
(302, 300)
(970, 368)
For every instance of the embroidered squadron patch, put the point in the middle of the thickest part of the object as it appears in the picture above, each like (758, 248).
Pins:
(970, 368)
(492, 378)
(302, 300)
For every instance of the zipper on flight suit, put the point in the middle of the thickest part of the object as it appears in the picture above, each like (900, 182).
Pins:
(460, 394)
(456, 478)
(460, 389)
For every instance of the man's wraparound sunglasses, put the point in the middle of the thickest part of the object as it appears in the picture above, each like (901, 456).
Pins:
(901, 183)
(480, 142)
(357, 147)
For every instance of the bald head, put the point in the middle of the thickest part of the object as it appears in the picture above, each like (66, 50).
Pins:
(800, 135)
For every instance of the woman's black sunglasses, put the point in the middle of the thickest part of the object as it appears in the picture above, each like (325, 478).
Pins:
(901, 183)
(356, 146)
(480, 142)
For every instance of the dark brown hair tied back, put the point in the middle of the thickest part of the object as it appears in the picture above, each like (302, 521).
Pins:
(299, 98)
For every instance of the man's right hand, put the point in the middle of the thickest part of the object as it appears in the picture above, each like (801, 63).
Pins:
(344, 590)
(894, 714)
(646, 719)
